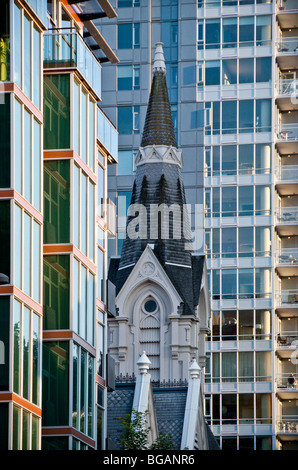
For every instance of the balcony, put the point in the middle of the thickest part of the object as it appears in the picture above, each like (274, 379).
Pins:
(287, 13)
(287, 94)
(287, 298)
(107, 135)
(287, 262)
(69, 51)
(287, 52)
(286, 343)
(286, 136)
(287, 427)
(287, 386)
(286, 180)
(286, 220)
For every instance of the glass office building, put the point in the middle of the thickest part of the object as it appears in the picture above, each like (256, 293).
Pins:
(56, 145)
(232, 67)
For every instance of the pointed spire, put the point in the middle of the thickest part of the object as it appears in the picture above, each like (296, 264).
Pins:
(159, 128)
(159, 60)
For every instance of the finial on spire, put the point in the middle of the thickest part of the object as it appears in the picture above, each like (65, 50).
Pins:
(159, 60)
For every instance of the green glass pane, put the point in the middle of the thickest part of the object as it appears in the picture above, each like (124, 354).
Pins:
(37, 165)
(15, 428)
(75, 410)
(56, 292)
(4, 137)
(4, 426)
(4, 343)
(35, 359)
(17, 49)
(26, 353)
(26, 431)
(83, 391)
(76, 118)
(83, 303)
(57, 111)
(76, 206)
(27, 155)
(27, 254)
(27, 56)
(75, 290)
(36, 261)
(91, 221)
(90, 395)
(35, 433)
(54, 443)
(90, 308)
(57, 201)
(4, 242)
(4, 42)
(16, 345)
(36, 67)
(18, 146)
(55, 396)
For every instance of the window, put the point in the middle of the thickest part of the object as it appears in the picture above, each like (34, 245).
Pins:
(246, 116)
(212, 72)
(125, 77)
(5, 140)
(55, 396)
(57, 111)
(5, 242)
(27, 365)
(246, 31)
(84, 213)
(4, 342)
(83, 391)
(128, 119)
(263, 30)
(56, 292)
(246, 70)
(83, 301)
(229, 72)
(125, 162)
(229, 117)
(212, 39)
(57, 201)
(128, 35)
(229, 32)
(263, 69)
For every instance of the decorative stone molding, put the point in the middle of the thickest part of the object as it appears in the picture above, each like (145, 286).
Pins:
(159, 154)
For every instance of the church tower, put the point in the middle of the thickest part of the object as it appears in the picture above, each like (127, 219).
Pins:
(161, 286)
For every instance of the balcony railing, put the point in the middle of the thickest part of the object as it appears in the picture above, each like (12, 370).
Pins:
(287, 256)
(107, 134)
(287, 424)
(286, 297)
(287, 45)
(287, 173)
(288, 215)
(68, 50)
(287, 381)
(285, 339)
(287, 87)
(286, 5)
(287, 132)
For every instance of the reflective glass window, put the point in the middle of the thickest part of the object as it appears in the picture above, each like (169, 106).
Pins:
(4, 342)
(4, 242)
(229, 32)
(246, 159)
(124, 36)
(5, 138)
(212, 72)
(56, 292)
(246, 30)
(246, 200)
(229, 201)
(246, 70)
(246, 116)
(212, 39)
(263, 30)
(229, 71)
(229, 159)
(57, 111)
(246, 242)
(263, 69)
(125, 77)
(263, 115)
(125, 162)
(57, 201)
(55, 395)
(229, 117)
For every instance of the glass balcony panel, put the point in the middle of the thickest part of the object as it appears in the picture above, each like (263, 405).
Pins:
(287, 45)
(287, 296)
(287, 256)
(287, 214)
(69, 50)
(287, 173)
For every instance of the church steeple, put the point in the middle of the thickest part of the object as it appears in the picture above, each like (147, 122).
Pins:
(158, 128)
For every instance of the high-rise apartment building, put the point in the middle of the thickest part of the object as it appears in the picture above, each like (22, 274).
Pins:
(232, 67)
(56, 145)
